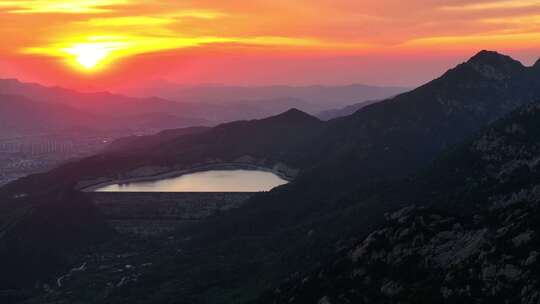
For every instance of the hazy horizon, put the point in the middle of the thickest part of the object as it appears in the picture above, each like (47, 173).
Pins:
(399, 75)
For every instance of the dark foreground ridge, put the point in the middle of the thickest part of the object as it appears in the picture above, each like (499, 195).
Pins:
(446, 252)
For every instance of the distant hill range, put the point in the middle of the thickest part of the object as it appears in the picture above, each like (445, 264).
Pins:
(352, 170)
(112, 111)
(345, 111)
(20, 115)
(311, 99)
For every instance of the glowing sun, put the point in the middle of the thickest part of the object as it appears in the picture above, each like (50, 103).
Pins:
(90, 55)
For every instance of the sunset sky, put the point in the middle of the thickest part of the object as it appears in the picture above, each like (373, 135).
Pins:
(100, 44)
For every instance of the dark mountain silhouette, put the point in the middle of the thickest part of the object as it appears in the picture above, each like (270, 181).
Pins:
(152, 141)
(352, 170)
(494, 65)
(394, 138)
(474, 241)
(158, 121)
(536, 65)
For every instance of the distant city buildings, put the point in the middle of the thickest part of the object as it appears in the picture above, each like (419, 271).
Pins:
(33, 154)
(37, 148)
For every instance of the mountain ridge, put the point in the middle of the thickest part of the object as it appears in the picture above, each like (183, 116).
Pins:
(493, 64)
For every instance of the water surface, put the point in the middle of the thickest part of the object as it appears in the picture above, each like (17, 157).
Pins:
(207, 181)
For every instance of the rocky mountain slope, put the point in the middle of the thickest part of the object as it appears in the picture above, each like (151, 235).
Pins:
(425, 256)
(475, 241)
(389, 140)
(438, 253)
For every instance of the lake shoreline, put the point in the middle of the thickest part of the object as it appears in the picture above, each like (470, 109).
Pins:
(178, 173)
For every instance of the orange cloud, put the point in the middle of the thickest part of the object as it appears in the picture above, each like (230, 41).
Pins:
(505, 4)
(91, 51)
(93, 35)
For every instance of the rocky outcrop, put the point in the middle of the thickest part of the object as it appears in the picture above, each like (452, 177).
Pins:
(424, 256)
(495, 66)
